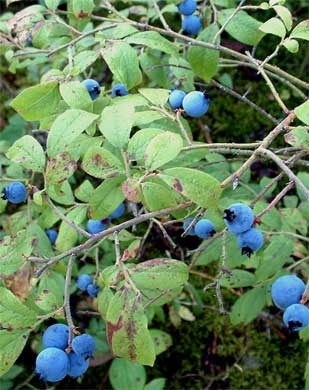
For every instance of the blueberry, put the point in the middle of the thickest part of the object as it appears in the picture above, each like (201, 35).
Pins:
(204, 228)
(175, 99)
(238, 218)
(77, 365)
(186, 224)
(83, 281)
(119, 90)
(187, 7)
(52, 364)
(250, 241)
(93, 289)
(191, 24)
(296, 317)
(118, 212)
(52, 234)
(93, 87)
(84, 345)
(15, 192)
(57, 336)
(196, 104)
(287, 290)
(95, 226)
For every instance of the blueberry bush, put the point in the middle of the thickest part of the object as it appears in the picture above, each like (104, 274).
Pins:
(123, 215)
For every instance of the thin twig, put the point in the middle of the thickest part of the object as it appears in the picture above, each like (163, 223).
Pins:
(67, 292)
(182, 129)
(160, 15)
(64, 218)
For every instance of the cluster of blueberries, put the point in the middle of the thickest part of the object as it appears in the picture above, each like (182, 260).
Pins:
(194, 103)
(239, 219)
(85, 283)
(58, 360)
(191, 24)
(94, 89)
(287, 292)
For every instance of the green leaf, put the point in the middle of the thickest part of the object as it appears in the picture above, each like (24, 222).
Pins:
(162, 340)
(59, 168)
(50, 294)
(101, 163)
(82, 8)
(138, 143)
(106, 198)
(84, 191)
(27, 152)
(67, 236)
(182, 71)
(81, 61)
(66, 128)
(298, 137)
(285, 15)
(301, 31)
(127, 375)
(116, 123)
(14, 250)
(143, 118)
(76, 95)
(159, 274)
(40, 241)
(37, 102)
(11, 346)
(248, 306)
(127, 330)
(13, 314)
(156, 384)
(238, 278)
(52, 4)
(162, 149)
(158, 196)
(153, 40)
(123, 62)
(61, 193)
(274, 26)
(291, 45)
(104, 299)
(242, 27)
(204, 61)
(156, 96)
(195, 185)
(302, 112)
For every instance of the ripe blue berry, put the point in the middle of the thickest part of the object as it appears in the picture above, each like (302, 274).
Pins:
(175, 99)
(52, 234)
(93, 87)
(186, 224)
(238, 218)
(119, 90)
(287, 290)
(52, 364)
(77, 365)
(95, 226)
(15, 192)
(83, 281)
(84, 345)
(118, 212)
(250, 241)
(93, 290)
(204, 228)
(187, 7)
(57, 336)
(296, 317)
(196, 104)
(191, 24)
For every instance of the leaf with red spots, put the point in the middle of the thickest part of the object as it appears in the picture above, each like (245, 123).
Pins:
(127, 330)
(195, 185)
(59, 168)
(101, 163)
